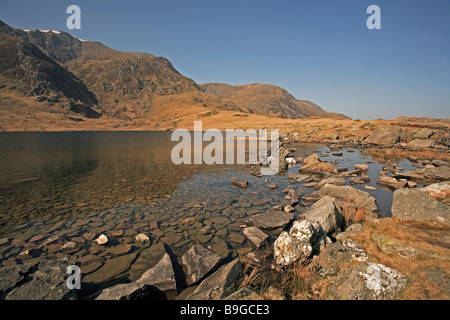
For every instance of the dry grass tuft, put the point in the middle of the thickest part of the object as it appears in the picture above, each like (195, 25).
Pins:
(353, 214)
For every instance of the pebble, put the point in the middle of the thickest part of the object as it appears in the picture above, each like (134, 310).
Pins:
(141, 237)
(69, 246)
(102, 239)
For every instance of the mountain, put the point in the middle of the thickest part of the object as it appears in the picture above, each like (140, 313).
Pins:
(50, 76)
(27, 71)
(267, 99)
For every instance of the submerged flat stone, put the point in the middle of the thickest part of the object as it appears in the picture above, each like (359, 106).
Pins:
(271, 219)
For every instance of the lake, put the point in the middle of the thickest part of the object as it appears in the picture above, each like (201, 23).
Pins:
(57, 187)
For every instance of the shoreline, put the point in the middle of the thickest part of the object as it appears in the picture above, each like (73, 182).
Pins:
(250, 258)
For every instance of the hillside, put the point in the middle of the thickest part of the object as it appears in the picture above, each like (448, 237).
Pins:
(267, 99)
(28, 72)
(54, 81)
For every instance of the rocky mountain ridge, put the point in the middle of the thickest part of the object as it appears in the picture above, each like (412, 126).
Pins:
(54, 72)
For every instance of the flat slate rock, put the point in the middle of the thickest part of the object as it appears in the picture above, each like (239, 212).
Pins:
(154, 282)
(111, 269)
(146, 260)
(368, 281)
(256, 236)
(271, 219)
(414, 204)
(199, 262)
(220, 284)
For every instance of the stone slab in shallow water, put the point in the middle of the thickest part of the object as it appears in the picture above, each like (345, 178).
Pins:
(271, 219)
(111, 269)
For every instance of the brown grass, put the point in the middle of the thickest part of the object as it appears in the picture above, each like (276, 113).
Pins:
(353, 214)
(427, 235)
(299, 281)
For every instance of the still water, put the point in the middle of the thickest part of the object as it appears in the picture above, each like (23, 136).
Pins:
(58, 187)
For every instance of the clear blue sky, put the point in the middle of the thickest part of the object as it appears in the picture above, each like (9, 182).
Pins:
(319, 50)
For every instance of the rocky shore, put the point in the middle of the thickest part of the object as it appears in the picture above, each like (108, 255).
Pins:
(330, 243)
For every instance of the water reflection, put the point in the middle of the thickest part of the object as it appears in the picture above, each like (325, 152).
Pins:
(75, 184)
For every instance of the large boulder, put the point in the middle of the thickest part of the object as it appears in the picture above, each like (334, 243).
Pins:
(439, 191)
(368, 281)
(327, 213)
(161, 276)
(199, 262)
(420, 144)
(385, 135)
(336, 255)
(44, 280)
(425, 133)
(437, 173)
(220, 284)
(155, 282)
(346, 195)
(414, 204)
(304, 239)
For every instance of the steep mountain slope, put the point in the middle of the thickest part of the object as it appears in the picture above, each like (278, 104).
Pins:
(267, 99)
(26, 70)
(58, 45)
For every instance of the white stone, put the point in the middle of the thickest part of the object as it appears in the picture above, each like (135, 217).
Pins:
(102, 239)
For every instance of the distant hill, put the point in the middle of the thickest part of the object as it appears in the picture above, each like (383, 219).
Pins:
(267, 99)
